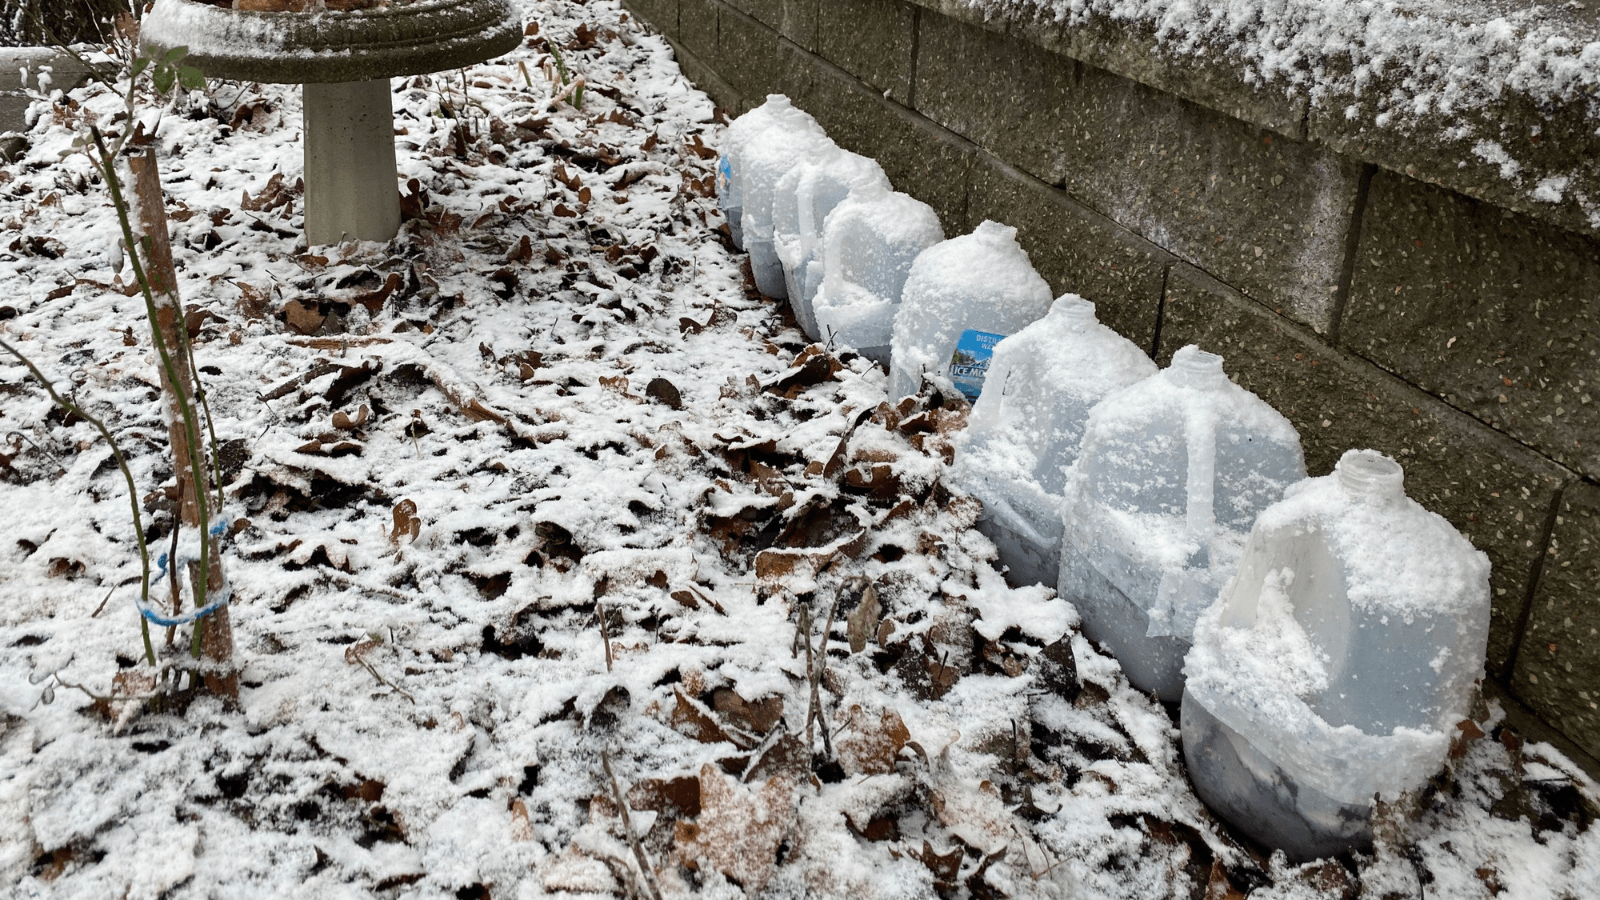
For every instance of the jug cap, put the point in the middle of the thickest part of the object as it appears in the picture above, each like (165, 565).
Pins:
(1198, 369)
(1075, 310)
(992, 232)
(1368, 473)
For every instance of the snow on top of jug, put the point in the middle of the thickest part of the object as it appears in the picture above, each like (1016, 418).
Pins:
(981, 281)
(809, 191)
(766, 156)
(893, 217)
(1042, 382)
(1067, 352)
(823, 187)
(775, 114)
(869, 243)
(1234, 453)
(1398, 556)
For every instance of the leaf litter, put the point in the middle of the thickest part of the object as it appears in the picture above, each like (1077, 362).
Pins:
(562, 564)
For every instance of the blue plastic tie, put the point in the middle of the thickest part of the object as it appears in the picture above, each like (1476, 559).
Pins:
(219, 598)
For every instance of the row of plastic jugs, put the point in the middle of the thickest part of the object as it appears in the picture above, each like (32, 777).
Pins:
(1170, 507)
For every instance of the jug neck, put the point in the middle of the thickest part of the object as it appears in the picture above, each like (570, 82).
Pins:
(1075, 311)
(1198, 369)
(1371, 475)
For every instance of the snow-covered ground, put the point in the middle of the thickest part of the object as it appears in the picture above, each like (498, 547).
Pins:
(639, 495)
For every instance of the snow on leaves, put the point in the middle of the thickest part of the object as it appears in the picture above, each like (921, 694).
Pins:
(740, 827)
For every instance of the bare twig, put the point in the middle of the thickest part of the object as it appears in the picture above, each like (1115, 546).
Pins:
(605, 630)
(361, 661)
(816, 681)
(804, 634)
(627, 827)
(101, 608)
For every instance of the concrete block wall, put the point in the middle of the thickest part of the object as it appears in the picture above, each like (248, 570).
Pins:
(66, 73)
(1450, 322)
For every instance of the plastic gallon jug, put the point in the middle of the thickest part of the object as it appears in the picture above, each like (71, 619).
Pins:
(765, 158)
(980, 282)
(800, 206)
(777, 114)
(1338, 661)
(869, 243)
(1026, 426)
(1172, 472)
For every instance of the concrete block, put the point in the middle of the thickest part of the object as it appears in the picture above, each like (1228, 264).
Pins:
(746, 51)
(1013, 99)
(1531, 155)
(872, 40)
(707, 80)
(662, 15)
(1527, 723)
(1534, 158)
(697, 29)
(1265, 213)
(1130, 49)
(1075, 248)
(1558, 664)
(800, 21)
(66, 73)
(919, 157)
(1491, 310)
(1497, 492)
(767, 12)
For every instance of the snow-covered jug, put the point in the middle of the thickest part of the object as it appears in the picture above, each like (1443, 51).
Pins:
(869, 243)
(762, 161)
(981, 282)
(800, 206)
(777, 114)
(1027, 424)
(1172, 473)
(1337, 662)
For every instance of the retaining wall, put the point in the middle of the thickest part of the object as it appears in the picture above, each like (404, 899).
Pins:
(1396, 253)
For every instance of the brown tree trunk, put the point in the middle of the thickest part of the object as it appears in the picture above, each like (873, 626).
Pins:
(216, 639)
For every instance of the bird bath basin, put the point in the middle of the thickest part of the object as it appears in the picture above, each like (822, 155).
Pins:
(343, 59)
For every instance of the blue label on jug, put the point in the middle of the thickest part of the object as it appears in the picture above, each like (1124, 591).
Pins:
(970, 363)
(724, 175)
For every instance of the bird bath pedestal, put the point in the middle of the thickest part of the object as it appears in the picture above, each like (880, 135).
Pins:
(343, 60)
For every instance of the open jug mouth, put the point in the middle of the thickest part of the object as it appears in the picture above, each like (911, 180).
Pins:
(1078, 312)
(1370, 474)
(1198, 369)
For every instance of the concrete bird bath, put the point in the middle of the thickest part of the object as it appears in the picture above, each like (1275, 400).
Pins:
(343, 59)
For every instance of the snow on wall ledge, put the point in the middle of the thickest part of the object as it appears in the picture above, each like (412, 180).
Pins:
(1496, 100)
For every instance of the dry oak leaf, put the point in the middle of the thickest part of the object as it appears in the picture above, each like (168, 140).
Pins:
(871, 740)
(521, 825)
(405, 522)
(862, 623)
(974, 813)
(740, 827)
(758, 716)
(691, 718)
(345, 422)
